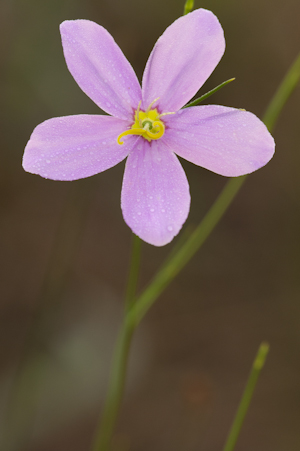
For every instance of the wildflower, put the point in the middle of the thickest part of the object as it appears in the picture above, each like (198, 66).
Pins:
(147, 125)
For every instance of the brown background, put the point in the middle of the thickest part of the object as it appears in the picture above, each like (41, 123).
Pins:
(193, 352)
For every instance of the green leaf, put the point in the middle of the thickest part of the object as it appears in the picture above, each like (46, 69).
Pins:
(208, 94)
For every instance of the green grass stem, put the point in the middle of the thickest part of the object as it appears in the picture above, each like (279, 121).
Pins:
(247, 396)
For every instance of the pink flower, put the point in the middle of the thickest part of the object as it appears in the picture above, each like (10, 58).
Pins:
(147, 125)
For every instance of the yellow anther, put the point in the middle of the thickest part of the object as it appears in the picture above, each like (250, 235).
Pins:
(146, 124)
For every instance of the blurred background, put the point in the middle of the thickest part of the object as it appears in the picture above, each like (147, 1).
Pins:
(65, 251)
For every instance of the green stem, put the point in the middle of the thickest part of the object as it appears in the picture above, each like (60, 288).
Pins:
(174, 265)
(282, 94)
(120, 359)
(118, 374)
(189, 5)
(134, 271)
(116, 388)
(247, 396)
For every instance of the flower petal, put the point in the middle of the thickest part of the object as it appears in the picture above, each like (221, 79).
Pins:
(182, 60)
(155, 193)
(74, 147)
(100, 68)
(227, 141)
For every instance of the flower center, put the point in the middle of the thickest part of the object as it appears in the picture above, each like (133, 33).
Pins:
(147, 124)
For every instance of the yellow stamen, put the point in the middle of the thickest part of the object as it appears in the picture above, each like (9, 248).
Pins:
(137, 114)
(146, 124)
(165, 114)
(152, 103)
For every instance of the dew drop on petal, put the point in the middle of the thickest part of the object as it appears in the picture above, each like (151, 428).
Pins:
(48, 161)
(170, 228)
(152, 210)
